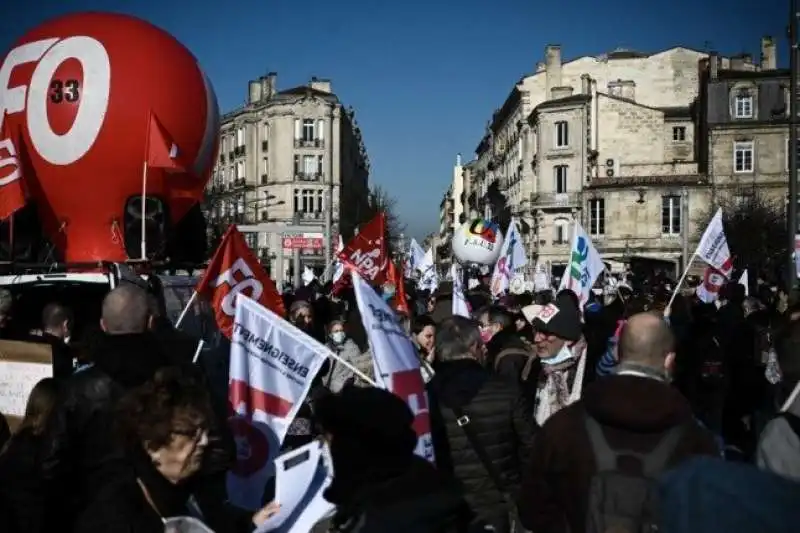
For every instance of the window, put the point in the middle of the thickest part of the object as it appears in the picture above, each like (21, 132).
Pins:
(296, 165)
(265, 166)
(320, 201)
(560, 172)
(298, 129)
(321, 130)
(671, 215)
(265, 132)
(562, 134)
(308, 129)
(240, 137)
(743, 157)
(309, 165)
(561, 231)
(320, 165)
(679, 133)
(597, 216)
(240, 205)
(307, 201)
(743, 105)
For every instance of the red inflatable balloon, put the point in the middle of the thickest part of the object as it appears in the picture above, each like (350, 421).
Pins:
(88, 98)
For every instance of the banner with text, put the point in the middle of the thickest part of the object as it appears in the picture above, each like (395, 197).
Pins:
(272, 366)
(395, 359)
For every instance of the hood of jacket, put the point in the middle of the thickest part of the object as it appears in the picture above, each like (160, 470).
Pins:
(636, 404)
(457, 382)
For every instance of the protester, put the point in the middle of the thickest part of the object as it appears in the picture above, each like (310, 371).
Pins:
(163, 428)
(507, 354)
(340, 375)
(57, 323)
(379, 484)
(561, 351)
(480, 423)
(619, 425)
(20, 481)
(423, 331)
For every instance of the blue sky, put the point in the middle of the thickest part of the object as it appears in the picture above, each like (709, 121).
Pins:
(423, 76)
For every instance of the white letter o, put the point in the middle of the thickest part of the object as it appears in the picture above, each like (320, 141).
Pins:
(95, 90)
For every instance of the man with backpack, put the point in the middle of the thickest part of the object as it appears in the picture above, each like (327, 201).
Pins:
(594, 464)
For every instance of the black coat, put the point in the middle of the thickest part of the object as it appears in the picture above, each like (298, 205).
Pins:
(420, 500)
(21, 484)
(82, 456)
(501, 418)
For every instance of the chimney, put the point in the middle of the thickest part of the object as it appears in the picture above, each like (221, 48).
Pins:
(586, 84)
(269, 85)
(255, 92)
(321, 85)
(769, 59)
(458, 160)
(713, 66)
(742, 63)
(552, 54)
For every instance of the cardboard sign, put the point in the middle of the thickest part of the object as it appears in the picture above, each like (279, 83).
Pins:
(22, 366)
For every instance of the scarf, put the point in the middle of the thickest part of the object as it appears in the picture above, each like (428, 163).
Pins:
(554, 392)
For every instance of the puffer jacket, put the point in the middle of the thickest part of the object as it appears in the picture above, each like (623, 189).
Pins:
(501, 418)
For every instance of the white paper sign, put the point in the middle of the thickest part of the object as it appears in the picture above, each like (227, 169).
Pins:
(16, 382)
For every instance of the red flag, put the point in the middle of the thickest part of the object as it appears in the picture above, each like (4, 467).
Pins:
(366, 252)
(12, 189)
(235, 269)
(162, 152)
(394, 276)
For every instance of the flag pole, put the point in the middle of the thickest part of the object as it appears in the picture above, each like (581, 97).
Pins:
(192, 298)
(681, 279)
(144, 205)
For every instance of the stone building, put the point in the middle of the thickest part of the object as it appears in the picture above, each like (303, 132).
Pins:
(612, 141)
(746, 123)
(282, 155)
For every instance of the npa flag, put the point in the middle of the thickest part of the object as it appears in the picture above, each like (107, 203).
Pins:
(395, 359)
(162, 152)
(12, 189)
(272, 366)
(233, 270)
(366, 254)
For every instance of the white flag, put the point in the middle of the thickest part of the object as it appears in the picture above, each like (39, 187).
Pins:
(744, 281)
(416, 256)
(713, 246)
(460, 305)
(512, 257)
(395, 359)
(272, 366)
(429, 280)
(584, 267)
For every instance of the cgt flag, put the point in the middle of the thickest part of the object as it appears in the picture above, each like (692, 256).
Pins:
(272, 366)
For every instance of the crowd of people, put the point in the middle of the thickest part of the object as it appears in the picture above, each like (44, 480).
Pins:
(546, 416)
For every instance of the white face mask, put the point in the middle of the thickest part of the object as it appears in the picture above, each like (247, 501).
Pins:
(185, 524)
(338, 337)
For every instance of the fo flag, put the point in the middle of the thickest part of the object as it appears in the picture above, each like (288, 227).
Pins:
(272, 366)
(395, 359)
(365, 253)
(234, 270)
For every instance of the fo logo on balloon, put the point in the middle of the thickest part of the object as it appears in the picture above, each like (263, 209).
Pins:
(75, 71)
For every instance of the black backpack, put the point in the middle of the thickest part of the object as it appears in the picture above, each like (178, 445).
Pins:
(620, 502)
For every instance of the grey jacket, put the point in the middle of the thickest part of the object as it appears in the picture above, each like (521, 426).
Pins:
(779, 446)
(340, 375)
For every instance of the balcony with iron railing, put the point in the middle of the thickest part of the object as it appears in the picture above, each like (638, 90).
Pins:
(309, 143)
(553, 199)
(304, 176)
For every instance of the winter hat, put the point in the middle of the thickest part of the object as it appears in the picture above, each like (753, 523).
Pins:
(378, 418)
(560, 318)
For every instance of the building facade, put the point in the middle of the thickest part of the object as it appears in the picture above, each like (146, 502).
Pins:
(616, 142)
(293, 157)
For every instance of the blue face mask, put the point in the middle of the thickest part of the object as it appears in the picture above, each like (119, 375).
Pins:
(560, 357)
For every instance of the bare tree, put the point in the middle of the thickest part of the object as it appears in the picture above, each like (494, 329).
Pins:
(755, 226)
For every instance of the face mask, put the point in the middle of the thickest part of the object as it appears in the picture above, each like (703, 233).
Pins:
(338, 337)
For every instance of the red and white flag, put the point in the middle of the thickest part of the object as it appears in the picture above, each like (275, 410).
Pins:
(233, 270)
(713, 280)
(366, 252)
(713, 246)
(162, 152)
(272, 367)
(12, 188)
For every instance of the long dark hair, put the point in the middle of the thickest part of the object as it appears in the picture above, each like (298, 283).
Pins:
(40, 405)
